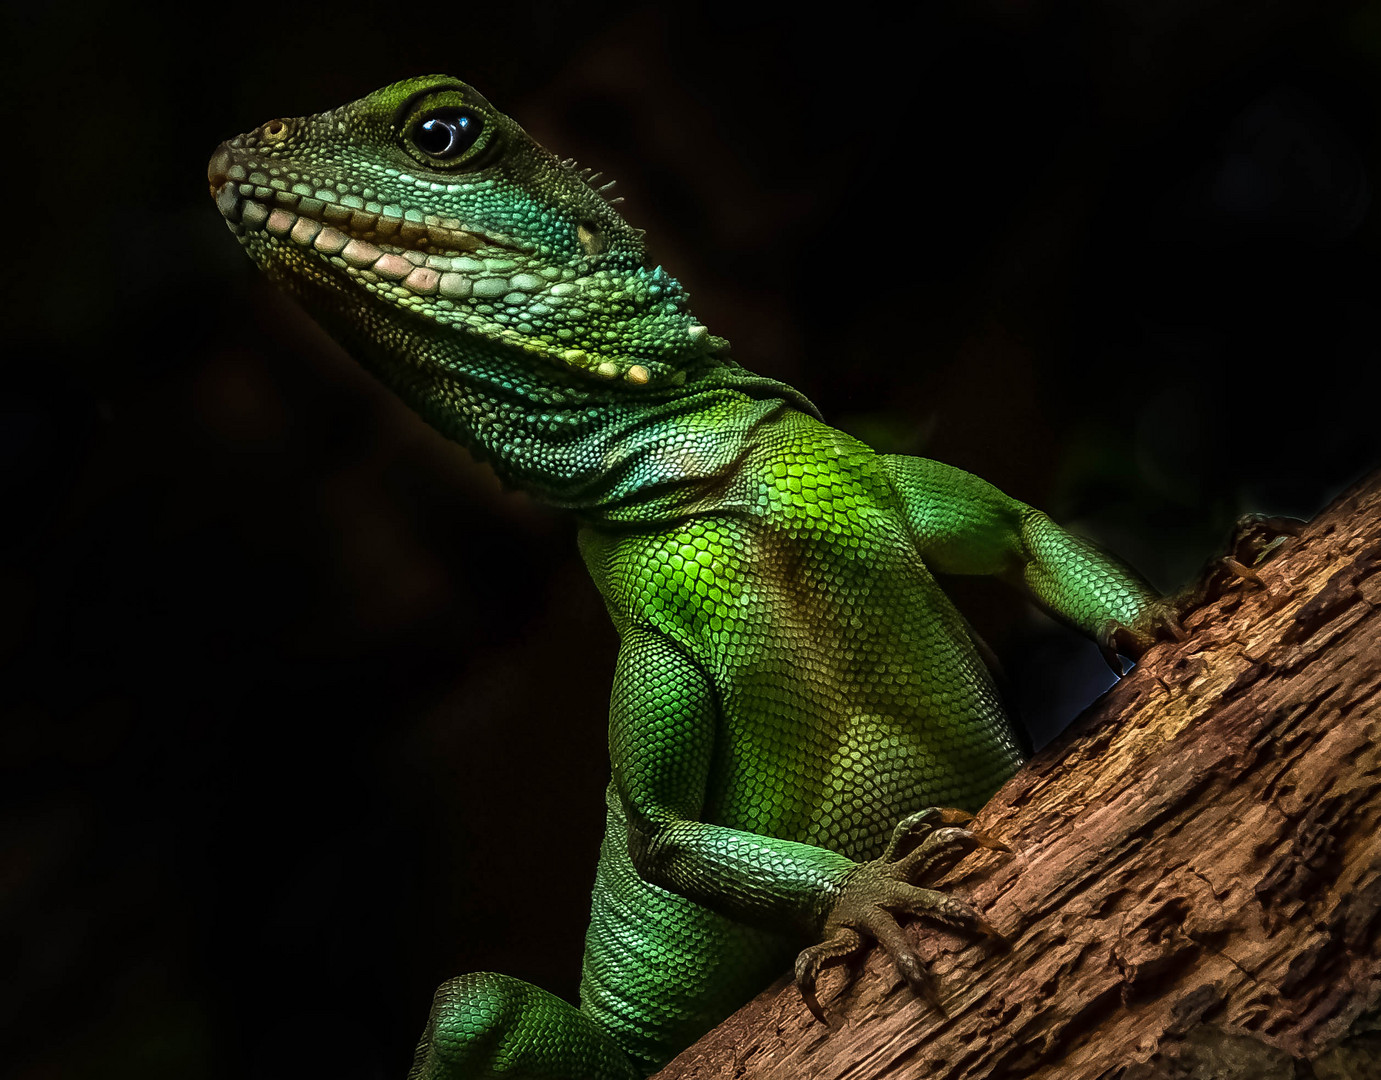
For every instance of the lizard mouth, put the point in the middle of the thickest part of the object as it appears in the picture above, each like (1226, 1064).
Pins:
(428, 255)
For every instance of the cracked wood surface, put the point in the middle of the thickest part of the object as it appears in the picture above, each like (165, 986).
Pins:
(1197, 881)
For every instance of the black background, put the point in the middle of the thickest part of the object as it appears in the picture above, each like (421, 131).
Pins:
(303, 714)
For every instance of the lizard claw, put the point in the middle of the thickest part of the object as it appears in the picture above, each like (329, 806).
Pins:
(1254, 539)
(989, 842)
(1243, 571)
(1158, 621)
(1172, 623)
(1108, 649)
(916, 826)
(876, 892)
(989, 931)
(844, 944)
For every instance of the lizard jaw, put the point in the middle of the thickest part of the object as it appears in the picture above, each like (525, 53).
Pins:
(429, 255)
(482, 283)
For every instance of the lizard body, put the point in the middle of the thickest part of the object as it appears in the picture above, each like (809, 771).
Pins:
(791, 681)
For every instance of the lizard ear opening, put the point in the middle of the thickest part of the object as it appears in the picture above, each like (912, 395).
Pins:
(591, 237)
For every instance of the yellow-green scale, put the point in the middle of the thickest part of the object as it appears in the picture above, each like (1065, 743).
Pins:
(845, 676)
(847, 695)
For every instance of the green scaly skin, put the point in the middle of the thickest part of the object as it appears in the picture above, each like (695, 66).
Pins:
(791, 683)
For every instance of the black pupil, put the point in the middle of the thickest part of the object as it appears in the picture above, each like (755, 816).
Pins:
(447, 134)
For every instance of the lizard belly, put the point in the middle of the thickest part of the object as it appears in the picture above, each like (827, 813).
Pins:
(862, 700)
(850, 691)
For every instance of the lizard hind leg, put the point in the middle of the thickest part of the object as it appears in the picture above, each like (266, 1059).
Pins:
(485, 1026)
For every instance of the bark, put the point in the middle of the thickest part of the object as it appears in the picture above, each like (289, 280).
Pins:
(1197, 878)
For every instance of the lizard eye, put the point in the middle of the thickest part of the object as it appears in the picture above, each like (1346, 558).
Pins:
(447, 134)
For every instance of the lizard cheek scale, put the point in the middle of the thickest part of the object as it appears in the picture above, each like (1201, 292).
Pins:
(801, 722)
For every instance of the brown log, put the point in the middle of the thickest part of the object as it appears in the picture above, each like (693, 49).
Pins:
(1197, 878)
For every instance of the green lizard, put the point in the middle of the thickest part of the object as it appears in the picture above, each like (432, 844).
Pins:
(793, 691)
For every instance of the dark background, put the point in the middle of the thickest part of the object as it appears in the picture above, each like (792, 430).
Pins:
(303, 714)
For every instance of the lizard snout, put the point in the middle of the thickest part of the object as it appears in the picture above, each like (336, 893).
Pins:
(218, 168)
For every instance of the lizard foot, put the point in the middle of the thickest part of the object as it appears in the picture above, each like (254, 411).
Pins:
(876, 892)
(1158, 621)
(1255, 538)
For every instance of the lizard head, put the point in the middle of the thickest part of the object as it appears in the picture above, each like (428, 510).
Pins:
(424, 202)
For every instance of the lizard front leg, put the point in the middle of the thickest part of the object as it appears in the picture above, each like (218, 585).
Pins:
(662, 731)
(662, 735)
(964, 525)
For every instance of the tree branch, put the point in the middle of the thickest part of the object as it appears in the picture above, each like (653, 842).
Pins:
(1197, 881)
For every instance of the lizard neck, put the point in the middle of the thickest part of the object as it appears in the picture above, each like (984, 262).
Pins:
(617, 456)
